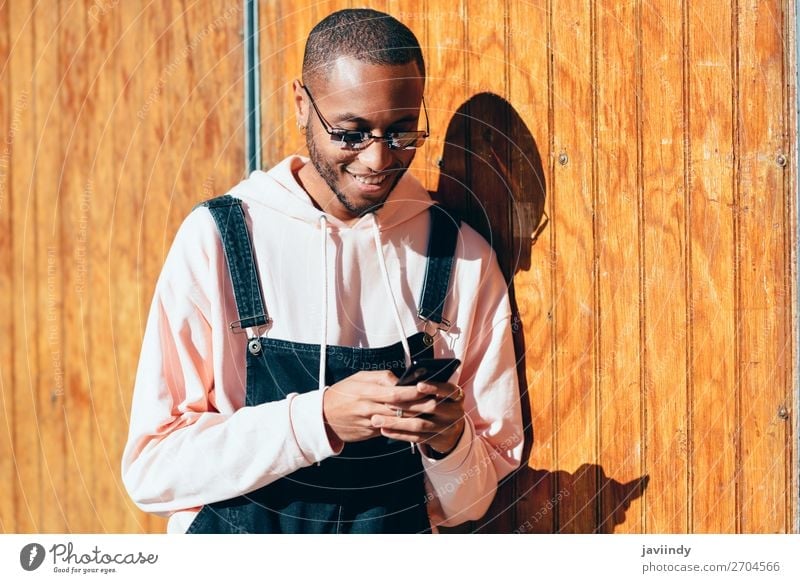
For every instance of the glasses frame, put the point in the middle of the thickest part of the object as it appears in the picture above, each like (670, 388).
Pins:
(367, 138)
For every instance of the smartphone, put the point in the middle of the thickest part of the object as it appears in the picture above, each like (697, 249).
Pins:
(438, 370)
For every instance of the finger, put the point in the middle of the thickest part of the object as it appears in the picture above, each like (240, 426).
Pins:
(385, 378)
(398, 395)
(440, 411)
(449, 391)
(405, 424)
(409, 436)
(426, 406)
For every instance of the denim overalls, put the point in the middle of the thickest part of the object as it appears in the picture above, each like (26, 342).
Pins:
(372, 486)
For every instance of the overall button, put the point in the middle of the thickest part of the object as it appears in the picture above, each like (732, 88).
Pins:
(254, 346)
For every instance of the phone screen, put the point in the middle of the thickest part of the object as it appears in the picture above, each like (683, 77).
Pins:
(438, 370)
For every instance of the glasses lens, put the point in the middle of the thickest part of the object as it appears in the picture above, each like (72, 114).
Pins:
(407, 140)
(349, 140)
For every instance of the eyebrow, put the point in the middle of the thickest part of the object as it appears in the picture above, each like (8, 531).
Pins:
(353, 118)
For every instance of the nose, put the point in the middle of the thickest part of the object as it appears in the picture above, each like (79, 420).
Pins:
(377, 156)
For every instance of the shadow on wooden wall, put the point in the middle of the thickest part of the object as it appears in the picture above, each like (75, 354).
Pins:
(491, 173)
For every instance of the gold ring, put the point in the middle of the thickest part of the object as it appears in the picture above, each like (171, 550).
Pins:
(459, 395)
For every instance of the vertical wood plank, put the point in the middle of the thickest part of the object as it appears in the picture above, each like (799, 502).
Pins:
(299, 23)
(126, 267)
(215, 65)
(271, 41)
(763, 227)
(575, 310)
(529, 95)
(489, 202)
(415, 15)
(791, 64)
(78, 135)
(49, 266)
(155, 117)
(446, 93)
(105, 339)
(165, 24)
(712, 413)
(27, 444)
(618, 256)
(663, 191)
(185, 46)
(7, 137)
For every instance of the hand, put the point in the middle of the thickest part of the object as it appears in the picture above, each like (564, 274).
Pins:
(435, 418)
(349, 406)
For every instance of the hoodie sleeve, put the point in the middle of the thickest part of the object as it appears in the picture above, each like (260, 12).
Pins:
(461, 486)
(191, 442)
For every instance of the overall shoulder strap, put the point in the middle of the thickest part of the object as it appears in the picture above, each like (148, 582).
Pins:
(441, 248)
(229, 217)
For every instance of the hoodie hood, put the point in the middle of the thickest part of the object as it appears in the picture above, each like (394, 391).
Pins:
(279, 190)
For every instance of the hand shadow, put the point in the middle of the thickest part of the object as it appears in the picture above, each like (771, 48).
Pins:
(491, 174)
(586, 501)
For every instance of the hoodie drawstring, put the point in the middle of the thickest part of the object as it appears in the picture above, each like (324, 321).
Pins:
(376, 235)
(323, 347)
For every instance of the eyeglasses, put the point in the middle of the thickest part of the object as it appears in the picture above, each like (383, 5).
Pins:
(356, 140)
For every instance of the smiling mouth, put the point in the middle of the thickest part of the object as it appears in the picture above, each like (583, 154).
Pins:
(370, 179)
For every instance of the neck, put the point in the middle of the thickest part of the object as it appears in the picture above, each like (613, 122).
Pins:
(321, 194)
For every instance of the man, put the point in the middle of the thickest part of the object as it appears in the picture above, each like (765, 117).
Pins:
(266, 397)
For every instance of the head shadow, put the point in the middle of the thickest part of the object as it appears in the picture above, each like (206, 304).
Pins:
(491, 174)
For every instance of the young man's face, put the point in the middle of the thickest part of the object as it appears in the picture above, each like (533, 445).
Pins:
(358, 96)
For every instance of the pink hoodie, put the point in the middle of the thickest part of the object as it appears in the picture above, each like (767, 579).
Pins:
(192, 441)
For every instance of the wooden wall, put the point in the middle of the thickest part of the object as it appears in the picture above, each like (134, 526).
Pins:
(632, 162)
(116, 118)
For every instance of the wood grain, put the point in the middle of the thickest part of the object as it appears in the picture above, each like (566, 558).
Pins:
(78, 136)
(575, 303)
(664, 241)
(414, 15)
(273, 94)
(151, 114)
(446, 95)
(490, 199)
(49, 267)
(99, 171)
(126, 269)
(712, 334)
(7, 470)
(763, 278)
(530, 93)
(619, 260)
(27, 444)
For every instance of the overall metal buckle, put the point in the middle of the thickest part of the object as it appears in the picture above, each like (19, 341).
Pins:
(236, 325)
(427, 337)
(253, 342)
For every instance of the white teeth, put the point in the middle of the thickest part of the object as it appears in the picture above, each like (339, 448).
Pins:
(372, 180)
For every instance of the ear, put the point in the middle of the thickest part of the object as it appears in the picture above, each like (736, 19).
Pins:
(301, 104)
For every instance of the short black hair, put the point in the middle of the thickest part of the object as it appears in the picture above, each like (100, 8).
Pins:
(367, 35)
